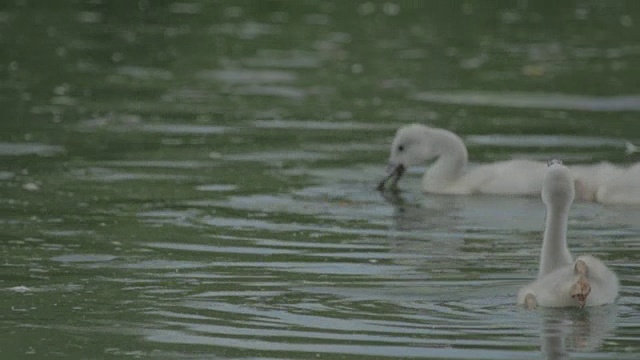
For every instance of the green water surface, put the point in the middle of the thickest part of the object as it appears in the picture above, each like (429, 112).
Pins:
(195, 179)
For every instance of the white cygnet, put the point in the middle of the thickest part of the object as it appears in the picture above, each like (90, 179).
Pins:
(563, 282)
(449, 174)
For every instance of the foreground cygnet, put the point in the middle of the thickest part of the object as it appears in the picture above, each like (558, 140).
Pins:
(416, 144)
(563, 282)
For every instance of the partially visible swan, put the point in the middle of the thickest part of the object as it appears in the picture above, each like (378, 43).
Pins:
(623, 189)
(561, 280)
(416, 144)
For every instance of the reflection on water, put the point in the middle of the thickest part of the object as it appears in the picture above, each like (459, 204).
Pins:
(566, 331)
(21, 149)
(526, 100)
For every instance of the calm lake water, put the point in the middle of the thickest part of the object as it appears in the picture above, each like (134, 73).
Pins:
(195, 179)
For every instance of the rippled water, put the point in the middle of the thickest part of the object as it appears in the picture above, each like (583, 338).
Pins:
(196, 180)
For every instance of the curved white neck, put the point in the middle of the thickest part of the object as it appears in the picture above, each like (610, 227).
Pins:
(555, 253)
(451, 162)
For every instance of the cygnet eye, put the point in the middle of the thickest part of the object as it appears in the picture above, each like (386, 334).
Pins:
(400, 148)
(554, 161)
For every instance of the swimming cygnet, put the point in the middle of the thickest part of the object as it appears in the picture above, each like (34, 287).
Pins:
(416, 144)
(561, 281)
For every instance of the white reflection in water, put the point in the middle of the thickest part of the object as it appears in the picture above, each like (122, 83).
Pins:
(6, 175)
(277, 156)
(217, 187)
(246, 30)
(113, 175)
(220, 249)
(544, 141)
(319, 125)
(271, 90)
(26, 148)
(83, 258)
(564, 331)
(185, 8)
(124, 123)
(248, 76)
(169, 164)
(145, 73)
(533, 100)
(296, 59)
(182, 129)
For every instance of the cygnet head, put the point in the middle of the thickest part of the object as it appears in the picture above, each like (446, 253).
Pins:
(558, 189)
(411, 146)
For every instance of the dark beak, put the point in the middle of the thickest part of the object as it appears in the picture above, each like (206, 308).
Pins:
(395, 172)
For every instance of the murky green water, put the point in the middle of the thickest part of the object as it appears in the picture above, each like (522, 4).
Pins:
(195, 179)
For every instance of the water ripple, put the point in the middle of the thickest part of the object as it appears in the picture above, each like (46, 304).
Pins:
(22, 149)
(246, 76)
(533, 100)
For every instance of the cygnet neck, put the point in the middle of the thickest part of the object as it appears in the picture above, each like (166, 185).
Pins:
(555, 252)
(452, 159)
